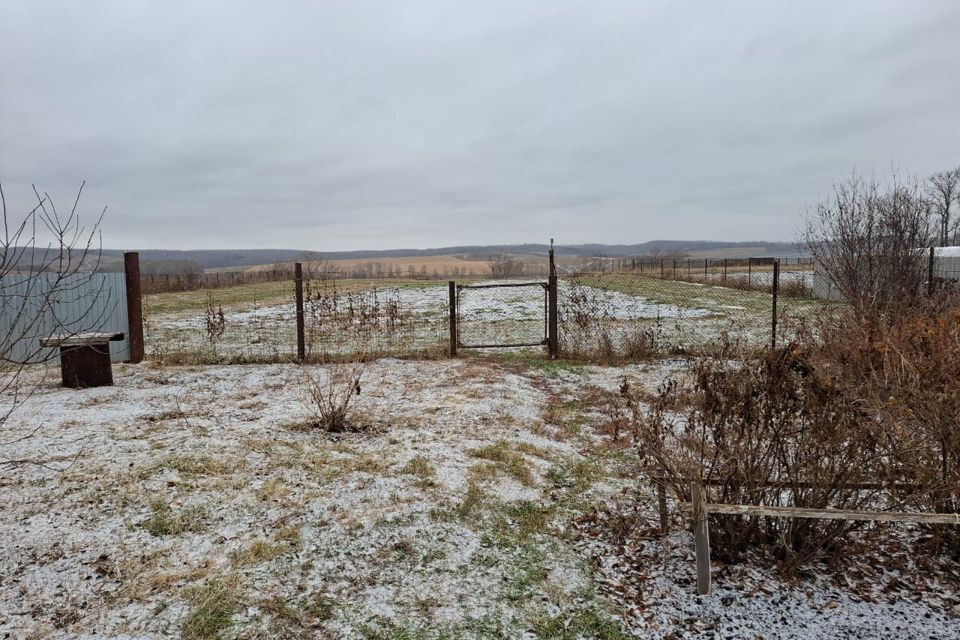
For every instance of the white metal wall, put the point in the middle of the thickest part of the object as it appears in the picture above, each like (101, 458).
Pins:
(946, 268)
(82, 302)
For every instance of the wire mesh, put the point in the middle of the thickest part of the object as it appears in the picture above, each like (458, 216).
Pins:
(343, 318)
(642, 307)
(502, 314)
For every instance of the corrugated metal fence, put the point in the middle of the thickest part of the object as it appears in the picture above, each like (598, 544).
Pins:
(81, 302)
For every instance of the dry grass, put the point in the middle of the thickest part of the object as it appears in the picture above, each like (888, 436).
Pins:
(259, 551)
(505, 459)
(165, 521)
(211, 609)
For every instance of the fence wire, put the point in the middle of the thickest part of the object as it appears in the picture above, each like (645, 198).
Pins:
(632, 309)
(636, 308)
(343, 318)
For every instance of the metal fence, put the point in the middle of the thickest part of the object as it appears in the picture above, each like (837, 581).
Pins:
(643, 307)
(629, 308)
(342, 318)
(34, 306)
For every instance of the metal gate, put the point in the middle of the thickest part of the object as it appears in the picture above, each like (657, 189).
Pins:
(491, 334)
(493, 344)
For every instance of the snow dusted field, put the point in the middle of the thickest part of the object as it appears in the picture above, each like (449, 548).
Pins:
(420, 316)
(479, 503)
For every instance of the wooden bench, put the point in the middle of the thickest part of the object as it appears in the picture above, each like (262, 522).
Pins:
(84, 358)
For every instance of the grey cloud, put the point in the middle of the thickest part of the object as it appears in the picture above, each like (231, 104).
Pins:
(358, 124)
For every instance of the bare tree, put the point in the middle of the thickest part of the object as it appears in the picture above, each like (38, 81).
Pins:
(944, 188)
(504, 266)
(45, 259)
(869, 239)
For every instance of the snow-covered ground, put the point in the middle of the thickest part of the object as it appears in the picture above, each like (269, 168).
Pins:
(462, 511)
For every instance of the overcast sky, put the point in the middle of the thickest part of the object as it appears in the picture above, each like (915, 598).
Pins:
(346, 125)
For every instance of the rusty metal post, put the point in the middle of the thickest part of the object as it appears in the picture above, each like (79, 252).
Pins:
(131, 268)
(706, 265)
(775, 290)
(724, 269)
(930, 274)
(452, 286)
(298, 289)
(749, 270)
(553, 338)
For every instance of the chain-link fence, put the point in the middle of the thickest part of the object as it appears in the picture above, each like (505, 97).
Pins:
(632, 309)
(638, 308)
(343, 318)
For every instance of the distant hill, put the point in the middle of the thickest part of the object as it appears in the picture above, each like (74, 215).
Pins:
(219, 259)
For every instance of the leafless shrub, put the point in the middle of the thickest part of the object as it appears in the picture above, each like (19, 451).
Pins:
(215, 323)
(45, 258)
(844, 417)
(331, 397)
(943, 188)
(504, 266)
(868, 239)
(590, 329)
(365, 316)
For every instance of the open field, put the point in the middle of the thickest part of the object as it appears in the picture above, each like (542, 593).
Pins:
(482, 502)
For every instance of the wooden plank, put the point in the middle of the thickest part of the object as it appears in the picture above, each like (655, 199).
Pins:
(826, 514)
(787, 486)
(701, 538)
(81, 339)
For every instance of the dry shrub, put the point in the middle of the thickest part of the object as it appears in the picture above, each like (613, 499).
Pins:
(592, 332)
(856, 402)
(330, 397)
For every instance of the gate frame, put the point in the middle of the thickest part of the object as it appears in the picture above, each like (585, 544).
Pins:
(551, 314)
(455, 290)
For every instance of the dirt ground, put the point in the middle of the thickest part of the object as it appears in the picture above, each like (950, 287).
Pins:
(198, 502)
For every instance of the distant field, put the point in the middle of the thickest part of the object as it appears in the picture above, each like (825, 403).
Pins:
(442, 264)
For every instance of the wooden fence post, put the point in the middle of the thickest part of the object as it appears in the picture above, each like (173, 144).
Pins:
(701, 538)
(452, 287)
(131, 268)
(662, 507)
(298, 287)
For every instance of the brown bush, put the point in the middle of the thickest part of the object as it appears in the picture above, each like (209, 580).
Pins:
(330, 398)
(851, 403)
